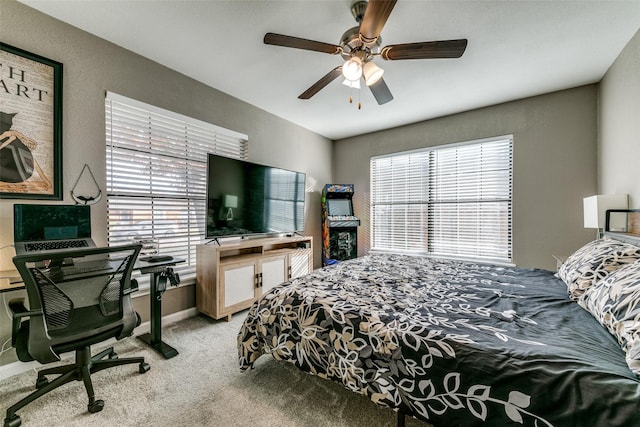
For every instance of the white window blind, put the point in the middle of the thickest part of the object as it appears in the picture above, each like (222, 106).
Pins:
(156, 175)
(451, 201)
(399, 197)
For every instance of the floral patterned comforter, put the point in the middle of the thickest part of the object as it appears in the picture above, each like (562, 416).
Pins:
(449, 342)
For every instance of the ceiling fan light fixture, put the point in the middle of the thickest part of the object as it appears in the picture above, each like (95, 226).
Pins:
(372, 73)
(354, 84)
(352, 69)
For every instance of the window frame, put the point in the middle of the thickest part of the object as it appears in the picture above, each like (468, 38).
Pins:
(417, 206)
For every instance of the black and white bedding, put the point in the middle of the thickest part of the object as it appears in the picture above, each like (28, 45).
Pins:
(453, 343)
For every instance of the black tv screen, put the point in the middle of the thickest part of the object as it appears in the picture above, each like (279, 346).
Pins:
(245, 198)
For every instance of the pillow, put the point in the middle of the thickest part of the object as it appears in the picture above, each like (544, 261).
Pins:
(615, 303)
(593, 262)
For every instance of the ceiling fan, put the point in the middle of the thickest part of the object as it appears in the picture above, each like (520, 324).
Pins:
(361, 44)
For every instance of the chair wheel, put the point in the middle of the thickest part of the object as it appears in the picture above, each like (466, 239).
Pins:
(143, 367)
(41, 382)
(96, 406)
(14, 421)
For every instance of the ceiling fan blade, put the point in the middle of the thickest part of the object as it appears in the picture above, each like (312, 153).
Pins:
(375, 16)
(320, 84)
(425, 50)
(381, 92)
(298, 43)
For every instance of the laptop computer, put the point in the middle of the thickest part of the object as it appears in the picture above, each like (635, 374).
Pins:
(38, 228)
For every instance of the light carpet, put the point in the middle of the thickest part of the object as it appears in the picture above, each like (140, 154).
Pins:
(202, 386)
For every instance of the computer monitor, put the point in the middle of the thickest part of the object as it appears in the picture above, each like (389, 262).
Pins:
(47, 223)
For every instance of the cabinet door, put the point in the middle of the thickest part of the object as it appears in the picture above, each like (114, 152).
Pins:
(238, 283)
(273, 272)
(299, 262)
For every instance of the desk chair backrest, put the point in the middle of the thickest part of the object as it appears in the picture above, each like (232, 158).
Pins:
(79, 302)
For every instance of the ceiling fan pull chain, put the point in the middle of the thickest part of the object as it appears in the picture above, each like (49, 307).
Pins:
(359, 104)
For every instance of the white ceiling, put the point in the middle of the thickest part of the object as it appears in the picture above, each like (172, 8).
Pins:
(516, 49)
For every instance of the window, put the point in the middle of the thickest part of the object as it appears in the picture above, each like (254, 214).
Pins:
(451, 201)
(156, 175)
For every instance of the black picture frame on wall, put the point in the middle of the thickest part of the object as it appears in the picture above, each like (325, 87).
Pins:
(30, 125)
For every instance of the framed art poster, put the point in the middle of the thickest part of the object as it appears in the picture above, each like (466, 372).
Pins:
(30, 125)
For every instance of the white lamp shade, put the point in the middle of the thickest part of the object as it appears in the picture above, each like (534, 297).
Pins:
(352, 69)
(372, 73)
(595, 208)
(230, 201)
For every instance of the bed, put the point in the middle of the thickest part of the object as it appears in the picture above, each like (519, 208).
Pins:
(461, 344)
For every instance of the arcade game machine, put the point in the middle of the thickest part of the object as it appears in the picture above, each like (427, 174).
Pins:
(339, 225)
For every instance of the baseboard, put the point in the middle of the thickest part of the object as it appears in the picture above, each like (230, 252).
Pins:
(15, 368)
(167, 320)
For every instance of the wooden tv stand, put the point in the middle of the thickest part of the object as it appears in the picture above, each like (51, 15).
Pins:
(230, 276)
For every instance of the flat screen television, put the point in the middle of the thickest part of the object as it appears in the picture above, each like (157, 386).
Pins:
(245, 198)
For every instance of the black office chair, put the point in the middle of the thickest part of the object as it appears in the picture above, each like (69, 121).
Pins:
(76, 298)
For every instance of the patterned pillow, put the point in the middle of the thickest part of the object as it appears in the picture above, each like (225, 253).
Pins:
(593, 262)
(615, 303)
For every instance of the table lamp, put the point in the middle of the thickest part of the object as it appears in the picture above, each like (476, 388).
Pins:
(595, 208)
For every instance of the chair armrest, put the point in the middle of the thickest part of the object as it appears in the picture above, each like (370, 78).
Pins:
(18, 311)
(133, 287)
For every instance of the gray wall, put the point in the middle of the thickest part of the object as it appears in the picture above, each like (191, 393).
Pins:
(619, 126)
(93, 66)
(555, 147)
